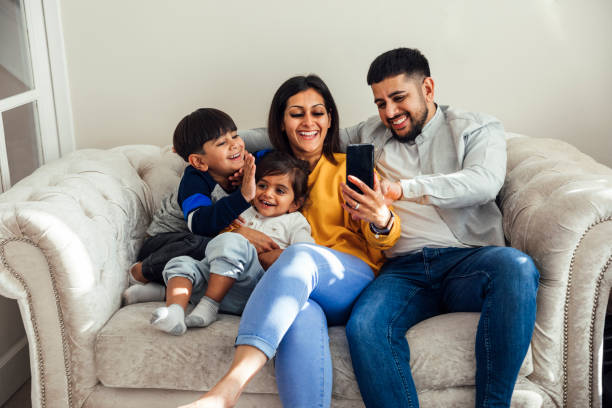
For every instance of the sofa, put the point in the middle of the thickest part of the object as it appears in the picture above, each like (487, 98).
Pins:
(69, 232)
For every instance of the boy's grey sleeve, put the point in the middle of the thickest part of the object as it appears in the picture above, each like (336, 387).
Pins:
(255, 139)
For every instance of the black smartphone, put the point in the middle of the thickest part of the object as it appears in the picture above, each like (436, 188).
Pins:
(360, 163)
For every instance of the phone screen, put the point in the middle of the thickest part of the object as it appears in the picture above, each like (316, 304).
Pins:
(360, 163)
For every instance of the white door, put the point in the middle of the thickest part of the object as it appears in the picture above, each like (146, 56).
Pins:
(28, 128)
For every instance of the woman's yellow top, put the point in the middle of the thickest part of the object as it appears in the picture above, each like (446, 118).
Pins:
(332, 226)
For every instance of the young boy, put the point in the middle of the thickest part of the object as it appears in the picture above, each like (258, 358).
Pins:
(225, 278)
(205, 203)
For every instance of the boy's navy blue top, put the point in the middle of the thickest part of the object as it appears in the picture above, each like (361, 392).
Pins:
(211, 214)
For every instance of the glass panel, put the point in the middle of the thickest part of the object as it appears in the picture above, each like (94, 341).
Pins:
(15, 61)
(21, 136)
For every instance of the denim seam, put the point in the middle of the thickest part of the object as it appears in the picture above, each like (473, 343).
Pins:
(322, 387)
(426, 269)
(474, 273)
(487, 352)
(395, 357)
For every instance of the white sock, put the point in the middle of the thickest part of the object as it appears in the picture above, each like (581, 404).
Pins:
(131, 279)
(148, 292)
(170, 319)
(203, 314)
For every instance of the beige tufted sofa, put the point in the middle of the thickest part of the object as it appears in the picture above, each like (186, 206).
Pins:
(69, 232)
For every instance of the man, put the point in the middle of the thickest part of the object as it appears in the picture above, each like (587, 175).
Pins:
(444, 167)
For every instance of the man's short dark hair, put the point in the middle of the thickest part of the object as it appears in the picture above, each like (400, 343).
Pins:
(407, 61)
(198, 128)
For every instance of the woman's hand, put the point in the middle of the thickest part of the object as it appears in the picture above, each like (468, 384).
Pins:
(248, 178)
(370, 206)
(260, 241)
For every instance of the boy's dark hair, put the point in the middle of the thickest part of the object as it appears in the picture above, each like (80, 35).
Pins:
(294, 86)
(407, 61)
(198, 128)
(277, 162)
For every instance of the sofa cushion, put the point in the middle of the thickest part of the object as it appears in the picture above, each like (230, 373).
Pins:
(130, 353)
(442, 352)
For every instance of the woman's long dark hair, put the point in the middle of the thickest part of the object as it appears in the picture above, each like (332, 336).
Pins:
(289, 88)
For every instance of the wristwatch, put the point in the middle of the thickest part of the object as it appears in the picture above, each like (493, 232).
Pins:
(384, 231)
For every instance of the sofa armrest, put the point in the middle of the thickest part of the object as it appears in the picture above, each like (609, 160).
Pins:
(557, 207)
(68, 233)
(27, 275)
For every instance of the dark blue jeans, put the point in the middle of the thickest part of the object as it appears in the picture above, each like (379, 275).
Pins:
(499, 282)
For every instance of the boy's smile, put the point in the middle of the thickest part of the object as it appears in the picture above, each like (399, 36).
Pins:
(223, 156)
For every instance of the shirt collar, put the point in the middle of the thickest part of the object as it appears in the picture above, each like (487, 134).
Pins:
(431, 127)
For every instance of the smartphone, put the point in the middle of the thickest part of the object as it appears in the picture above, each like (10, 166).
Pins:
(360, 163)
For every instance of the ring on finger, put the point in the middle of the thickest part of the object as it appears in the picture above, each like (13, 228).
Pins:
(356, 207)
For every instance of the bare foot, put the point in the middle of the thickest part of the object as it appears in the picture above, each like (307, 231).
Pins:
(223, 395)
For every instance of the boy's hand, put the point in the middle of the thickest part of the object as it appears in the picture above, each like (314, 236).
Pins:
(236, 178)
(248, 178)
(238, 222)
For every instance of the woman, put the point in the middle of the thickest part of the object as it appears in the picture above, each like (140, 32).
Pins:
(309, 286)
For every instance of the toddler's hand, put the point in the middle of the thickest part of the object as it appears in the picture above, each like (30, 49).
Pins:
(248, 178)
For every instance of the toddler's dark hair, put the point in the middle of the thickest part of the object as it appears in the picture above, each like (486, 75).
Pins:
(198, 128)
(277, 162)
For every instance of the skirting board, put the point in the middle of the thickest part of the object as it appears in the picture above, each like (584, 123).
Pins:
(14, 369)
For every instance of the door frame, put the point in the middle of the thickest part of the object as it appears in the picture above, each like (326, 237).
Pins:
(51, 89)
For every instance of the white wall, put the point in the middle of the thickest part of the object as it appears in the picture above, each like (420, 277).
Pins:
(544, 67)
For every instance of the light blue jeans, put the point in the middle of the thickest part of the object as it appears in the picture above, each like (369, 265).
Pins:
(228, 254)
(307, 288)
(499, 282)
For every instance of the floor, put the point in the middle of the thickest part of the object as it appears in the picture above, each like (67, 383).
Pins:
(21, 398)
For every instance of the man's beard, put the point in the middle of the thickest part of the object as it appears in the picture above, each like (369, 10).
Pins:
(417, 128)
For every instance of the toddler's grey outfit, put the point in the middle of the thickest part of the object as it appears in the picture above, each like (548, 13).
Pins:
(230, 254)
